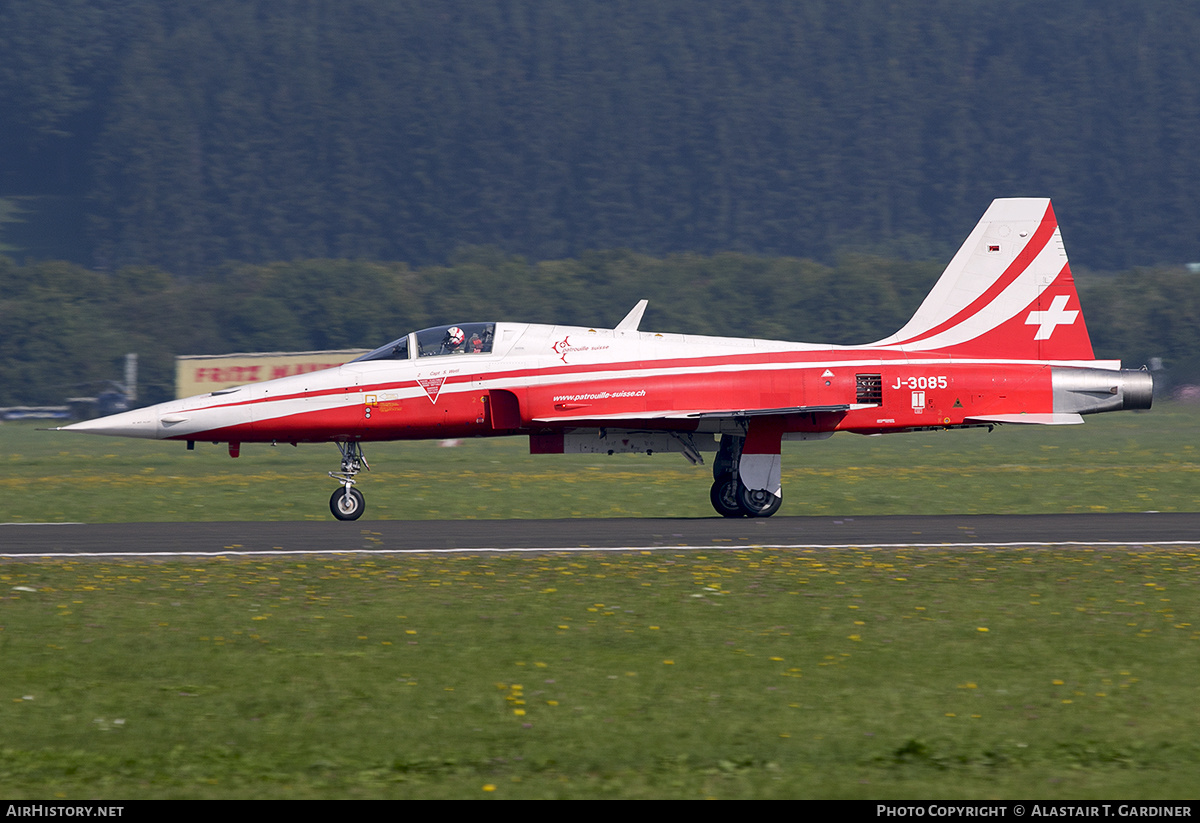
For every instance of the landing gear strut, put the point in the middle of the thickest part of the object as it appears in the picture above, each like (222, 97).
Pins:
(347, 503)
(728, 495)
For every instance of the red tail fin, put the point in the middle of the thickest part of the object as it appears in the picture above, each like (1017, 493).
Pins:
(1008, 293)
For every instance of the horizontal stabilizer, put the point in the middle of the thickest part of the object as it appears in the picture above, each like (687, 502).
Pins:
(1029, 419)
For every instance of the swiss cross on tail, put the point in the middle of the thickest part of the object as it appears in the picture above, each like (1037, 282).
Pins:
(1007, 293)
(1047, 321)
(1051, 327)
(1048, 327)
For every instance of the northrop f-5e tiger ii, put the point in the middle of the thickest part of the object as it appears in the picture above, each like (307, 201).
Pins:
(1000, 339)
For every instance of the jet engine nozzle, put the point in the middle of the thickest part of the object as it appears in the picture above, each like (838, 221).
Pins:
(1088, 391)
(1139, 388)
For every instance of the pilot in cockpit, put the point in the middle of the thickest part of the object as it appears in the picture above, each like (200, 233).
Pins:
(453, 343)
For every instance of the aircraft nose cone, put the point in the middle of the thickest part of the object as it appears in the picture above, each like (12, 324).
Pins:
(136, 423)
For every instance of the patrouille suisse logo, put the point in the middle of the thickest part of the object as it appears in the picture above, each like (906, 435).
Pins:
(562, 347)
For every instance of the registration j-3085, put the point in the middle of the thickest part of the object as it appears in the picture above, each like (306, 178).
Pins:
(938, 382)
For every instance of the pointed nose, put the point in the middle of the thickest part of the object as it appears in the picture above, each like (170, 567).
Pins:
(136, 423)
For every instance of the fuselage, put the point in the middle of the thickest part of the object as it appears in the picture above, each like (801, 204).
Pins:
(538, 378)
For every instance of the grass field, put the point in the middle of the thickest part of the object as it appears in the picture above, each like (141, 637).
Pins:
(869, 674)
(1115, 462)
(975, 673)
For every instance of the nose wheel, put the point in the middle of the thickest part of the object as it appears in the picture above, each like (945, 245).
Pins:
(348, 503)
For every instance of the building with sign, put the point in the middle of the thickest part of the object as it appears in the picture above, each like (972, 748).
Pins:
(204, 373)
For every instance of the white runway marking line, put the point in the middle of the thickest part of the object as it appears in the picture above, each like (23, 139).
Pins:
(574, 550)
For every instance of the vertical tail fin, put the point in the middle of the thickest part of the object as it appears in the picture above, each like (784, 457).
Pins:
(1007, 293)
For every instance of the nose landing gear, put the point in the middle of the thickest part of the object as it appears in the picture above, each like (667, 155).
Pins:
(348, 503)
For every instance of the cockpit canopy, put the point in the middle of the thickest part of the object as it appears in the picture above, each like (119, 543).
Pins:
(463, 338)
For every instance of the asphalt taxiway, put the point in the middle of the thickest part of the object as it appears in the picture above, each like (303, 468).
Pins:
(229, 538)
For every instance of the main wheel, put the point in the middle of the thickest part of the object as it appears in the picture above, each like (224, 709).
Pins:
(347, 504)
(724, 498)
(758, 502)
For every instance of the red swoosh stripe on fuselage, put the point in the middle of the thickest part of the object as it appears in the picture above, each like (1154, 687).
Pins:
(763, 380)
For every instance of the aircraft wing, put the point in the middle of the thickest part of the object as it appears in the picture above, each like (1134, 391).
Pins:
(739, 413)
(676, 414)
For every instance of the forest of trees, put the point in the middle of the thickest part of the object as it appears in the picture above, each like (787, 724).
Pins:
(195, 132)
(244, 175)
(66, 327)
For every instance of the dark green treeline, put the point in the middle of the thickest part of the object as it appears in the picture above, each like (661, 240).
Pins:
(195, 132)
(65, 326)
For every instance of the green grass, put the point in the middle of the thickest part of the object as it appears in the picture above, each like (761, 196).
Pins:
(868, 674)
(1115, 462)
(973, 673)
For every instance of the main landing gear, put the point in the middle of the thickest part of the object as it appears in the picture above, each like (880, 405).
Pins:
(729, 496)
(347, 503)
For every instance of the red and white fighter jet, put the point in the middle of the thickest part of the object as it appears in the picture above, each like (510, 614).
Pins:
(1000, 339)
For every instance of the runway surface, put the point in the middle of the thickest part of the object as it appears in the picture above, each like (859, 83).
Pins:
(141, 539)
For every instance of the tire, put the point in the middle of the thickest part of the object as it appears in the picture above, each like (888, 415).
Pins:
(724, 498)
(758, 502)
(344, 508)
